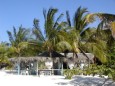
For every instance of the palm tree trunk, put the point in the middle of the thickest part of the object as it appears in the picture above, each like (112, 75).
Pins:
(85, 55)
(73, 54)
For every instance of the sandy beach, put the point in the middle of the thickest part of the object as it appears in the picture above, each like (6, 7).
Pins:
(27, 80)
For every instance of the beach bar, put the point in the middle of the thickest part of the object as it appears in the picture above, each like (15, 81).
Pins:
(30, 65)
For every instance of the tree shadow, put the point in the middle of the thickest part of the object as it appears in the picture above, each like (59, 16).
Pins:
(91, 81)
(87, 81)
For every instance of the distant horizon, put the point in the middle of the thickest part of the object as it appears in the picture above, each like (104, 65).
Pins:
(22, 12)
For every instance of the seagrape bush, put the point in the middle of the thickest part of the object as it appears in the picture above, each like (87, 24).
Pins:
(93, 70)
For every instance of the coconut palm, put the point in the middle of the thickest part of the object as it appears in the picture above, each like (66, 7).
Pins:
(51, 28)
(18, 40)
(18, 36)
(74, 30)
(106, 21)
(81, 38)
(79, 24)
(106, 28)
(3, 52)
(4, 55)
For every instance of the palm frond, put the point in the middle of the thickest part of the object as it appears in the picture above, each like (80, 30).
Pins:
(56, 22)
(44, 13)
(106, 20)
(49, 23)
(63, 45)
(37, 31)
(98, 48)
(10, 36)
(80, 19)
(23, 45)
(61, 26)
(18, 36)
(113, 29)
(14, 31)
(68, 18)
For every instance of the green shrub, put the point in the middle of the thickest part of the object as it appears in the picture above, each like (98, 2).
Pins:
(69, 73)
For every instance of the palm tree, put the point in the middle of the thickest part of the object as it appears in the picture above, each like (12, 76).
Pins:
(80, 38)
(18, 40)
(3, 54)
(79, 24)
(106, 21)
(106, 28)
(49, 39)
(74, 30)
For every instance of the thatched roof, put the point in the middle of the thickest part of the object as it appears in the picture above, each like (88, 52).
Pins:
(42, 57)
(53, 54)
(80, 57)
(26, 59)
(45, 56)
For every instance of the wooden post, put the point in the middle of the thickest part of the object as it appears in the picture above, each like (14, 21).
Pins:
(62, 68)
(37, 68)
(18, 64)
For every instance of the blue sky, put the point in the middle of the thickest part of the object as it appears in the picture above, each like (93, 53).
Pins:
(22, 12)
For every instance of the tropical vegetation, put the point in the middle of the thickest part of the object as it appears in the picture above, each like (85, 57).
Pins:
(75, 36)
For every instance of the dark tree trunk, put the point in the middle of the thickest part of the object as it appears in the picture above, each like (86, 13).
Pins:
(85, 55)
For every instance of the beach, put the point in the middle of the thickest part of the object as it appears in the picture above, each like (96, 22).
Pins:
(27, 80)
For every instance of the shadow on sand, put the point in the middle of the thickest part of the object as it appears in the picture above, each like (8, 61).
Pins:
(79, 80)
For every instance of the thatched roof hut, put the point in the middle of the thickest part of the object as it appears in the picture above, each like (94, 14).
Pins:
(25, 59)
(41, 57)
(56, 57)
(53, 54)
(80, 57)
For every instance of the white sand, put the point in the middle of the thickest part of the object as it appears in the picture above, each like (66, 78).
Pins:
(26, 80)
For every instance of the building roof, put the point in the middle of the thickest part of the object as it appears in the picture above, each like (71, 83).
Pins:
(25, 59)
(45, 56)
(80, 57)
(41, 57)
(53, 54)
